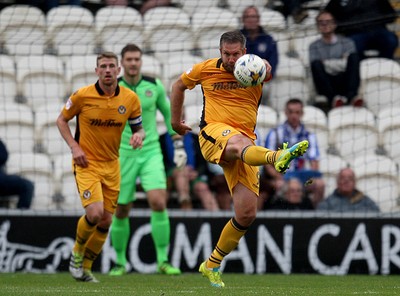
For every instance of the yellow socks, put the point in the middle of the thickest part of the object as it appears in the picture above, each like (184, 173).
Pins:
(228, 241)
(257, 155)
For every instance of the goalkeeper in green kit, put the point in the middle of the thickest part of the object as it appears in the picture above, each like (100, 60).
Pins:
(146, 164)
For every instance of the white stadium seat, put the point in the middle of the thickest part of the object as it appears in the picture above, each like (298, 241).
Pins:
(117, 26)
(23, 30)
(17, 127)
(167, 31)
(8, 80)
(208, 24)
(380, 83)
(80, 71)
(38, 168)
(352, 131)
(378, 177)
(71, 30)
(388, 121)
(41, 79)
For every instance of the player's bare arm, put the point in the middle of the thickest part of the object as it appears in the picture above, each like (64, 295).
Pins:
(268, 68)
(78, 155)
(137, 137)
(177, 98)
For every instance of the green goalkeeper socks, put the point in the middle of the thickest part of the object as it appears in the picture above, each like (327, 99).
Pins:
(160, 232)
(120, 234)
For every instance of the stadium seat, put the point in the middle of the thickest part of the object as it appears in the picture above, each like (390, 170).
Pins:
(38, 168)
(117, 26)
(316, 121)
(352, 131)
(192, 114)
(65, 183)
(167, 31)
(161, 128)
(380, 83)
(289, 82)
(194, 97)
(152, 66)
(274, 23)
(330, 165)
(8, 80)
(47, 136)
(378, 177)
(208, 24)
(23, 30)
(41, 79)
(190, 6)
(174, 66)
(80, 71)
(267, 118)
(237, 6)
(301, 44)
(71, 30)
(388, 121)
(17, 127)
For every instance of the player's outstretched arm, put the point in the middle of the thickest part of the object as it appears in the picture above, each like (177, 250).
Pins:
(177, 98)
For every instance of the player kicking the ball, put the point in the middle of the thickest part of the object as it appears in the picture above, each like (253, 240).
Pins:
(227, 138)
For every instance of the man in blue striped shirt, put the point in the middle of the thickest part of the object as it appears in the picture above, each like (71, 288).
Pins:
(306, 167)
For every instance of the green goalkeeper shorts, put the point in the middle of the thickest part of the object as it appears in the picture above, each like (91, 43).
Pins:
(148, 169)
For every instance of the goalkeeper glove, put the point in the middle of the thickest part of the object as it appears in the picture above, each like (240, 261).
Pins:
(180, 156)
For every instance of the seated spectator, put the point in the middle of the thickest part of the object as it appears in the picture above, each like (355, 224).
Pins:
(304, 168)
(335, 64)
(258, 41)
(13, 184)
(291, 197)
(346, 197)
(193, 178)
(365, 23)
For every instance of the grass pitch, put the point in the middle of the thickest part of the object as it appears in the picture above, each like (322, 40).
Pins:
(194, 284)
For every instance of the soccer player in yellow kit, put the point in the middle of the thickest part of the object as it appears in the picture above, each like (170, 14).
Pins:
(227, 137)
(101, 111)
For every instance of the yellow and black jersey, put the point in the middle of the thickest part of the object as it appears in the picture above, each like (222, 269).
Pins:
(101, 119)
(225, 100)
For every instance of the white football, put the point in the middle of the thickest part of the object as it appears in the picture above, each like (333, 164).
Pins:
(250, 70)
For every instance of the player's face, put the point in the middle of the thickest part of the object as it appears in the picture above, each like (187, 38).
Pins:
(107, 70)
(294, 112)
(132, 63)
(230, 52)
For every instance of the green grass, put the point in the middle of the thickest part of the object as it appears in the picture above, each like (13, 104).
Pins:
(193, 284)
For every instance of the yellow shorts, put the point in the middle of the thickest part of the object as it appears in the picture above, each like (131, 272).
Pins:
(213, 139)
(100, 181)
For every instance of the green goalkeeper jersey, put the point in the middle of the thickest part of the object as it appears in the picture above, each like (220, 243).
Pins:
(152, 97)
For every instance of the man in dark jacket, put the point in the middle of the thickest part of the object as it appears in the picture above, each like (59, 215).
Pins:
(365, 22)
(14, 184)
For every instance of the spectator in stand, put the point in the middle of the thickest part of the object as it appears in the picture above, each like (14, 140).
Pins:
(335, 64)
(306, 167)
(365, 22)
(193, 178)
(346, 197)
(14, 184)
(291, 197)
(258, 41)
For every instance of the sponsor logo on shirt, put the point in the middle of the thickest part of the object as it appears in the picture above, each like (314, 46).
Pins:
(105, 123)
(227, 85)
